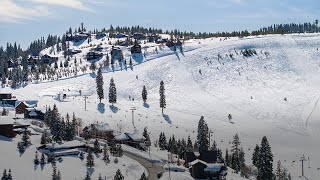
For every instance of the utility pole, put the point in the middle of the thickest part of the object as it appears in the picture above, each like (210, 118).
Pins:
(85, 102)
(210, 137)
(302, 161)
(133, 109)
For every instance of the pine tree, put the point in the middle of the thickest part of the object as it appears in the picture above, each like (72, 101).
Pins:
(265, 167)
(99, 82)
(162, 96)
(118, 175)
(9, 177)
(100, 177)
(143, 176)
(227, 158)
(235, 156)
(189, 145)
(255, 156)
(36, 159)
(43, 159)
(112, 92)
(81, 155)
(105, 154)
(55, 173)
(90, 159)
(203, 137)
(96, 146)
(88, 177)
(69, 130)
(214, 146)
(25, 138)
(43, 138)
(74, 124)
(4, 175)
(144, 94)
(146, 136)
(279, 171)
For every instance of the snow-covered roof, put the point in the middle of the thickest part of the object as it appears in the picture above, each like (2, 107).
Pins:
(29, 105)
(33, 114)
(197, 161)
(136, 136)
(121, 137)
(213, 167)
(102, 127)
(4, 120)
(31, 109)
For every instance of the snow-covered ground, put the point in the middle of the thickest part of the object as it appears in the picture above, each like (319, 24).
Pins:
(226, 87)
(23, 168)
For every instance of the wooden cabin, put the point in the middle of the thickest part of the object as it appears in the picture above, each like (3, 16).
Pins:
(136, 48)
(139, 36)
(205, 165)
(93, 55)
(6, 127)
(34, 113)
(116, 54)
(80, 37)
(100, 35)
(48, 59)
(99, 130)
(33, 60)
(21, 106)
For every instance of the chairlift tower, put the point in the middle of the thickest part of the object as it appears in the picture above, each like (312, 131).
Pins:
(132, 110)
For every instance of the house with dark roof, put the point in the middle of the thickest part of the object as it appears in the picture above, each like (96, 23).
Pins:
(93, 55)
(80, 36)
(136, 139)
(33, 60)
(34, 113)
(100, 35)
(205, 165)
(21, 106)
(48, 59)
(6, 99)
(139, 36)
(116, 54)
(6, 127)
(136, 48)
(73, 51)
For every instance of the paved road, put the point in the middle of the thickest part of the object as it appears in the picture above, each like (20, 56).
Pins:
(153, 168)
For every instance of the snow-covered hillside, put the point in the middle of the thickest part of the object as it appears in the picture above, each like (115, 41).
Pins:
(197, 84)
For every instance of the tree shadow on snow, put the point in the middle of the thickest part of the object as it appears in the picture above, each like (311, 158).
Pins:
(93, 75)
(113, 108)
(167, 118)
(137, 57)
(90, 170)
(3, 138)
(101, 108)
(146, 105)
(177, 55)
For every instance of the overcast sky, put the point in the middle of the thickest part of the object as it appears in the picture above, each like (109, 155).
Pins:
(26, 20)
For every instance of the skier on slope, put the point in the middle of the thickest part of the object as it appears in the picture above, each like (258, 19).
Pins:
(229, 117)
